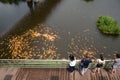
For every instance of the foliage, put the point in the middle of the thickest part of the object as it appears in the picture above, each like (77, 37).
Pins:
(108, 25)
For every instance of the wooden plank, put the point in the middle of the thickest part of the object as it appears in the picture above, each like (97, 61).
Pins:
(55, 74)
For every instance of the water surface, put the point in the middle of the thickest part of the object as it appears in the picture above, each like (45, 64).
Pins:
(72, 21)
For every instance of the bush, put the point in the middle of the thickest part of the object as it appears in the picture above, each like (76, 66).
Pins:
(108, 25)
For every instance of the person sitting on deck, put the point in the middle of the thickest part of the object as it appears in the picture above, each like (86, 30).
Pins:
(116, 64)
(72, 63)
(83, 66)
(99, 63)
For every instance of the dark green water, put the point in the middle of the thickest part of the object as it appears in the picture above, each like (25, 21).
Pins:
(74, 21)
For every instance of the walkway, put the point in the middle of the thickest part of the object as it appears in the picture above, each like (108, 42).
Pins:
(13, 73)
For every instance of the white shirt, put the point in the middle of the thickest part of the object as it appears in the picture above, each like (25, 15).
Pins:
(100, 61)
(72, 63)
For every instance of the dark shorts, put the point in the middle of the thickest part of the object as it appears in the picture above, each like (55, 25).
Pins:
(99, 65)
(71, 68)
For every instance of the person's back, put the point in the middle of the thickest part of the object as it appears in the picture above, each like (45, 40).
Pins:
(84, 65)
(72, 63)
(117, 60)
(100, 62)
(85, 62)
(116, 63)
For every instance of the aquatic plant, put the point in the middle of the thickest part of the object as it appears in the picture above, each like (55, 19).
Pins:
(108, 25)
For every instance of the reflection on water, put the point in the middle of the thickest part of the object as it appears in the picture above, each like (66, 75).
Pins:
(51, 29)
(40, 11)
(34, 3)
(11, 1)
(10, 14)
(16, 43)
(88, 0)
(30, 5)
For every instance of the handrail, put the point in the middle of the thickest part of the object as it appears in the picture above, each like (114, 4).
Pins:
(33, 63)
(44, 60)
(36, 63)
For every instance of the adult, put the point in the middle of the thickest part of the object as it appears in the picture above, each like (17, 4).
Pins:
(83, 66)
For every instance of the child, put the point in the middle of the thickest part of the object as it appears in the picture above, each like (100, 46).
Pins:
(100, 63)
(72, 63)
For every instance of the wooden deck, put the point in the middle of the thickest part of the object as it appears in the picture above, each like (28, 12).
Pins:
(12, 73)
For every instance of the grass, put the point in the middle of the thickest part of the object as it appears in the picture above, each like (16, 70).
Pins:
(108, 25)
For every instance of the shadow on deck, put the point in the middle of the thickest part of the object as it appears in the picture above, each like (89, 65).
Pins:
(12, 73)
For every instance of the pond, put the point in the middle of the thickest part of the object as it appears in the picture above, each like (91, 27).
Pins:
(53, 29)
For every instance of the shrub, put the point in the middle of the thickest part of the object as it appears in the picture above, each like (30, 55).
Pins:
(108, 25)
